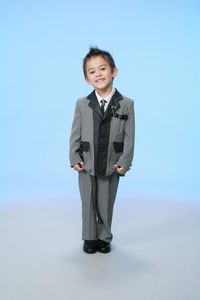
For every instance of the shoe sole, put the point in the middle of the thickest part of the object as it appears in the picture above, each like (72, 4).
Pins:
(104, 251)
(89, 251)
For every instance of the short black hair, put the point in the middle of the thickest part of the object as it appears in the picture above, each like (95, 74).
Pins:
(95, 51)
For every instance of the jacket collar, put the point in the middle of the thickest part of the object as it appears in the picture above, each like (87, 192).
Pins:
(114, 102)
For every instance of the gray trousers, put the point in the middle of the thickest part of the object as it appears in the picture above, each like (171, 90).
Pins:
(98, 196)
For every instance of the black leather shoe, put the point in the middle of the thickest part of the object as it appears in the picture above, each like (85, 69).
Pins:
(90, 247)
(103, 247)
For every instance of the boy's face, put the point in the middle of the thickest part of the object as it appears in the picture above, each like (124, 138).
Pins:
(100, 75)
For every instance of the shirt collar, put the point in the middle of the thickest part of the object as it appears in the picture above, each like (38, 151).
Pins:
(107, 98)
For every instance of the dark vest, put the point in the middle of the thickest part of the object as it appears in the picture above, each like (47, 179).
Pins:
(101, 132)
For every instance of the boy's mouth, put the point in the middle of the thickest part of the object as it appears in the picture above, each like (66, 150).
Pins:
(99, 80)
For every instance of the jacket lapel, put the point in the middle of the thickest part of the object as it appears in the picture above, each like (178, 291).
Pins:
(94, 104)
(114, 103)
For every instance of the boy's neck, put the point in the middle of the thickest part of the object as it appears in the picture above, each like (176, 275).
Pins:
(104, 93)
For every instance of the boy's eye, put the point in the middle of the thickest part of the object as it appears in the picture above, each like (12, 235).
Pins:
(103, 68)
(91, 72)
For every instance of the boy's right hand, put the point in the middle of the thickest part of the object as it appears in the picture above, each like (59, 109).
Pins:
(79, 167)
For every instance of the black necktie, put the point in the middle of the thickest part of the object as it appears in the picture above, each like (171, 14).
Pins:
(103, 102)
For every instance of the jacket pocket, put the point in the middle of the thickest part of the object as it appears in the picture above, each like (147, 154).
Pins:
(118, 147)
(85, 146)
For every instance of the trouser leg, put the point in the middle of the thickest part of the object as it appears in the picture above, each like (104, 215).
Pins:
(87, 187)
(106, 194)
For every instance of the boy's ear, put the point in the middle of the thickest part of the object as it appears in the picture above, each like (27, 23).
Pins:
(86, 79)
(114, 72)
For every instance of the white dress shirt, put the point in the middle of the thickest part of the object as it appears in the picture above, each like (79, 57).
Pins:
(107, 98)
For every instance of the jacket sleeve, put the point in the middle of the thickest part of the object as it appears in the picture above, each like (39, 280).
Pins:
(75, 138)
(126, 158)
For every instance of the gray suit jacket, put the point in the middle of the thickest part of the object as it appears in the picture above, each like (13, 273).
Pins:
(121, 138)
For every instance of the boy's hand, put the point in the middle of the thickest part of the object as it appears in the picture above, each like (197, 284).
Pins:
(120, 170)
(79, 167)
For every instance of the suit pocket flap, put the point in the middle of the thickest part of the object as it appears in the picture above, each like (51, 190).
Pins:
(118, 147)
(85, 146)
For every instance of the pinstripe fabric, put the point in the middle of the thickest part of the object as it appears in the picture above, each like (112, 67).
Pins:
(98, 196)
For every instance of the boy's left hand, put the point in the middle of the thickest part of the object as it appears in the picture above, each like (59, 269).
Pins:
(120, 170)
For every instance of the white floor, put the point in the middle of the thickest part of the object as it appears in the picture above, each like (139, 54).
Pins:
(156, 252)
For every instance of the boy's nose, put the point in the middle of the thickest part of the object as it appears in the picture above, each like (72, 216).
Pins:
(98, 72)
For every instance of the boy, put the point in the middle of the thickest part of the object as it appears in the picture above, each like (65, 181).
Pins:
(101, 148)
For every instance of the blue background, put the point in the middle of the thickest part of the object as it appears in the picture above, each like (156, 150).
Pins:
(156, 47)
